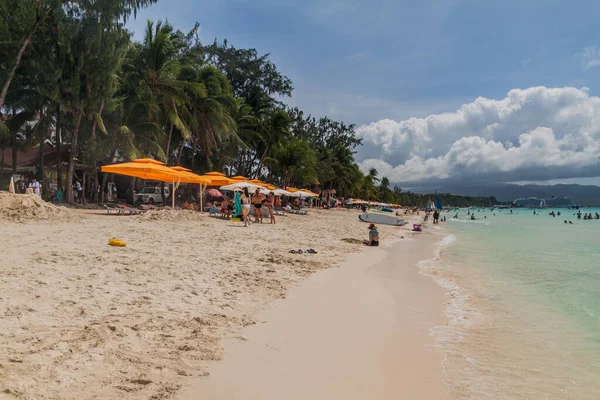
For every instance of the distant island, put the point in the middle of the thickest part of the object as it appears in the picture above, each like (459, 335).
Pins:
(581, 195)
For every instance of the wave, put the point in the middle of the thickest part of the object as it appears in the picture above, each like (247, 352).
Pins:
(460, 313)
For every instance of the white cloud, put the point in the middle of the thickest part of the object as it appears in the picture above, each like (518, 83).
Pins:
(531, 134)
(590, 58)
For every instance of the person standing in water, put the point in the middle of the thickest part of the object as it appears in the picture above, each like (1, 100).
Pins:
(245, 200)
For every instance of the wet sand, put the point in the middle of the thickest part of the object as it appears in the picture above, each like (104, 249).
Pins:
(356, 332)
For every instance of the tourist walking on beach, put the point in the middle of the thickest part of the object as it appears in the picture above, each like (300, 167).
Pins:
(245, 200)
(270, 202)
(436, 217)
(257, 200)
(373, 236)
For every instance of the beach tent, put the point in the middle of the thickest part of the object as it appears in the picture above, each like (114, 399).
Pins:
(146, 168)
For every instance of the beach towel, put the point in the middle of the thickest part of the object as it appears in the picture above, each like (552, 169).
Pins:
(237, 204)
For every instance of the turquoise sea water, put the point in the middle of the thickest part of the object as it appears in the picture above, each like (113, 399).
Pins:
(524, 305)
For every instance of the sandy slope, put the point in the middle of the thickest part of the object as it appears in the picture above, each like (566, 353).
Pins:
(83, 320)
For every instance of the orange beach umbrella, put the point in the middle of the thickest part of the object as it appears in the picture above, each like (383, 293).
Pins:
(189, 177)
(145, 168)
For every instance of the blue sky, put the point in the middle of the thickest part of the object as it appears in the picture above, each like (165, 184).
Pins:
(367, 61)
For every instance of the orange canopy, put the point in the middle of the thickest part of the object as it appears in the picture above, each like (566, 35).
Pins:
(214, 173)
(239, 178)
(291, 189)
(216, 180)
(190, 177)
(145, 168)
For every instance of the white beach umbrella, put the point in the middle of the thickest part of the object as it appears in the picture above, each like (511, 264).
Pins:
(281, 192)
(240, 186)
(301, 193)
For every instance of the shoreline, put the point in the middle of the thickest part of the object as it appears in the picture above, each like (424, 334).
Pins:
(358, 331)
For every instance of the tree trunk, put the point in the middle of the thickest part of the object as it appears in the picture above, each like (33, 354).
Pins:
(17, 61)
(180, 152)
(58, 150)
(101, 198)
(2, 167)
(93, 161)
(72, 154)
(14, 156)
(43, 180)
(169, 144)
(82, 194)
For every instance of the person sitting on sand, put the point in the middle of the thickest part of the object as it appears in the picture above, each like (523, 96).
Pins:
(226, 207)
(373, 236)
(257, 200)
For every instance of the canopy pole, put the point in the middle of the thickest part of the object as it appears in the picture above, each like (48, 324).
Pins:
(173, 194)
(202, 187)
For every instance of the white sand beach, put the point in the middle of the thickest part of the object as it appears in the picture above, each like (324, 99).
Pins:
(84, 320)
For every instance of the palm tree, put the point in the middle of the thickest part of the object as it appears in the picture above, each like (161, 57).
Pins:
(274, 130)
(151, 79)
(294, 161)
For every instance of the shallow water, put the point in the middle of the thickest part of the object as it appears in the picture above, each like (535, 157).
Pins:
(524, 309)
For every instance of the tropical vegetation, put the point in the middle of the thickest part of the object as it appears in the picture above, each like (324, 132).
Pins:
(71, 75)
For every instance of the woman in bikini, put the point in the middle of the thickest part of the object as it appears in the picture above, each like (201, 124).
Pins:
(245, 200)
(270, 202)
(257, 200)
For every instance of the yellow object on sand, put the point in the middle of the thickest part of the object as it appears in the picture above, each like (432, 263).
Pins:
(116, 242)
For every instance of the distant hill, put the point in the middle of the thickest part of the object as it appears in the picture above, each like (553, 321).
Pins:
(580, 194)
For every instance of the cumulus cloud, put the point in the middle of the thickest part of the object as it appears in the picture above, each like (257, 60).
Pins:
(533, 134)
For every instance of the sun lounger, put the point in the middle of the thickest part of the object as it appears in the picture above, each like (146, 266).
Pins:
(121, 209)
(215, 211)
(279, 211)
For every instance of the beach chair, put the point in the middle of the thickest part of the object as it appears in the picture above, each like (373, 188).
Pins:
(279, 211)
(214, 211)
(121, 209)
(110, 208)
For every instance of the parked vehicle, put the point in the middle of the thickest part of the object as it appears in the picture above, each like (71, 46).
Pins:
(151, 195)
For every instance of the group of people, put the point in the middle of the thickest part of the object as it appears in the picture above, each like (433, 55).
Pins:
(24, 183)
(589, 216)
(256, 201)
